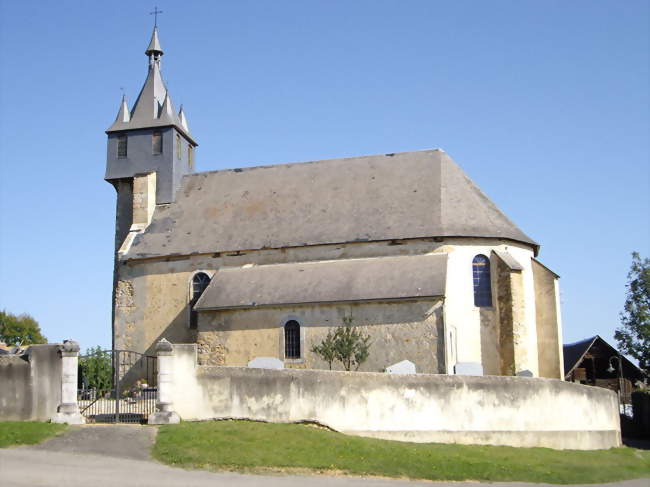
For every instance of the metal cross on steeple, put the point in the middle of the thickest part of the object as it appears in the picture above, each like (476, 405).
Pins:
(155, 14)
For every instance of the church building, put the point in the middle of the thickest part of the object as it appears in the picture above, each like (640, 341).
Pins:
(265, 261)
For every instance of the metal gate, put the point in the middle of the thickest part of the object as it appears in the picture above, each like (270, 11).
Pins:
(117, 386)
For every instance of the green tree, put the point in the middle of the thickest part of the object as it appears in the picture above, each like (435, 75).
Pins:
(633, 336)
(96, 369)
(326, 349)
(347, 344)
(19, 329)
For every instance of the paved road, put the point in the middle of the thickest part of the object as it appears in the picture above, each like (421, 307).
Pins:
(103, 456)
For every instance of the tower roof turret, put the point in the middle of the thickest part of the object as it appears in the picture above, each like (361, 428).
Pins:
(154, 44)
(153, 107)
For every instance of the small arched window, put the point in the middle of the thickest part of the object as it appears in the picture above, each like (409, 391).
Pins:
(178, 146)
(291, 339)
(482, 284)
(200, 282)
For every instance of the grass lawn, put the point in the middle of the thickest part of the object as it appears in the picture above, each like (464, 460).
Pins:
(251, 446)
(13, 433)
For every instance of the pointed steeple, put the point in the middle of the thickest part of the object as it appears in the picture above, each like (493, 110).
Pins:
(153, 107)
(154, 44)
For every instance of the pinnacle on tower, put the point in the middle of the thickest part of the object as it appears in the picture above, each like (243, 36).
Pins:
(154, 48)
(183, 119)
(123, 115)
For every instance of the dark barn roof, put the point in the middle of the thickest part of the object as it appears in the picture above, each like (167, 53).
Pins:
(576, 351)
(368, 198)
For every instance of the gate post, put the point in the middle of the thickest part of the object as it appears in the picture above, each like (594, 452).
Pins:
(68, 410)
(165, 413)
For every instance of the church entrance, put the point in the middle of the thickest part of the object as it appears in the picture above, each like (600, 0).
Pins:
(117, 386)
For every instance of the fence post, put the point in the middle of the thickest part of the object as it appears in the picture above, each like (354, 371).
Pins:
(165, 413)
(68, 410)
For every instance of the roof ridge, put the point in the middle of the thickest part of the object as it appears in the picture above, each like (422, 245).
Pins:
(298, 163)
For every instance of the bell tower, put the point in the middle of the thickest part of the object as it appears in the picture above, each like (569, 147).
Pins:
(149, 150)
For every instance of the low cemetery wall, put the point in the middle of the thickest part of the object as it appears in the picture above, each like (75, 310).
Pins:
(30, 384)
(496, 410)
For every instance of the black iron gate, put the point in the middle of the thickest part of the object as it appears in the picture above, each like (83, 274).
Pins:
(117, 386)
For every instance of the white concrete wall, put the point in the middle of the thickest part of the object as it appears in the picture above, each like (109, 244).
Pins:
(464, 318)
(512, 411)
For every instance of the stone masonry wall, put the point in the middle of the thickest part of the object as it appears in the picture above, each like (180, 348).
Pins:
(398, 331)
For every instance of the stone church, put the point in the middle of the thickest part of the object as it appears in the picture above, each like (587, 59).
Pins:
(264, 261)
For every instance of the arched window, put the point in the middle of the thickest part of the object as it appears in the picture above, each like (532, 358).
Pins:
(291, 339)
(482, 285)
(200, 282)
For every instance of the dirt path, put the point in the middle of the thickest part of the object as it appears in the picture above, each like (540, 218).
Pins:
(112, 440)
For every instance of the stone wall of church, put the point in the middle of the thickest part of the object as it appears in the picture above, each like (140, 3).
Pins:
(152, 297)
(409, 330)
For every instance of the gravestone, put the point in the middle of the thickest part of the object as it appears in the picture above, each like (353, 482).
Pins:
(403, 367)
(266, 363)
(468, 368)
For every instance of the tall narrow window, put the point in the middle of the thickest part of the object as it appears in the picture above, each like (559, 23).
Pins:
(200, 282)
(291, 339)
(178, 146)
(156, 142)
(190, 156)
(482, 285)
(122, 141)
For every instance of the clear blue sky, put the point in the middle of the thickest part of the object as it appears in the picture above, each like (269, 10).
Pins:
(543, 104)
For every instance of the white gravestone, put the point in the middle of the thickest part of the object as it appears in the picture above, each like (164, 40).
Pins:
(468, 368)
(403, 367)
(266, 363)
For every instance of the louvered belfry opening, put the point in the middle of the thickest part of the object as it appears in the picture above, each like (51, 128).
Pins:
(291, 339)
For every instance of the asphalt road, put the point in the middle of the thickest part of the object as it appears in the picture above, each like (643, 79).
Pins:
(103, 456)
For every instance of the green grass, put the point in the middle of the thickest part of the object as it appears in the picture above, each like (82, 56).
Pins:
(252, 446)
(13, 433)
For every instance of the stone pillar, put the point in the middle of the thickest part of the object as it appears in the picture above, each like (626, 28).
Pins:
(165, 413)
(68, 410)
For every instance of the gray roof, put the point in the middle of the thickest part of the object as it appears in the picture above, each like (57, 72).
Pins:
(509, 260)
(153, 107)
(377, 279)
(379, 197)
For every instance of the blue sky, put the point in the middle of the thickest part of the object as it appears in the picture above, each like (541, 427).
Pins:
(543, 104)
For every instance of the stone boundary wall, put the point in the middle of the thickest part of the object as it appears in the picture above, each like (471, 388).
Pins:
(30, 384)
(513, 411)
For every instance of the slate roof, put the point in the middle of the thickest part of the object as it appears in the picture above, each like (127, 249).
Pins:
(574, 352)
(376, 279)
(367, 198)
(153, 108)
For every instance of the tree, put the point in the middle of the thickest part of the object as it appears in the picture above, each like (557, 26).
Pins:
(19, 329)
(633, 336)
(347, 344)
(96, 369)
(326, 350)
